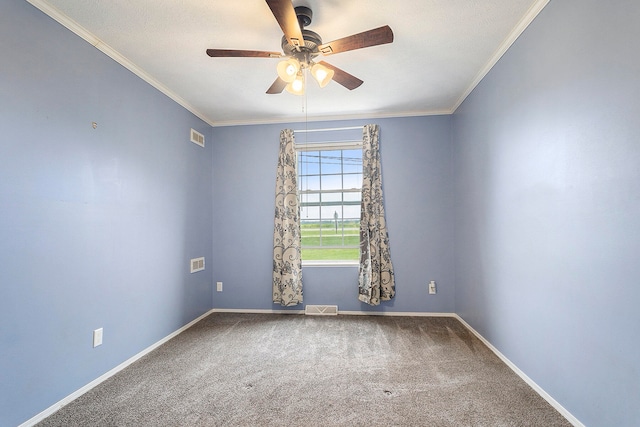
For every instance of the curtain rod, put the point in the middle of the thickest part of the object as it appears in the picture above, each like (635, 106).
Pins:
(327, 130)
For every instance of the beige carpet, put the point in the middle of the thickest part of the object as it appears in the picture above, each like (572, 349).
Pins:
(296, 370)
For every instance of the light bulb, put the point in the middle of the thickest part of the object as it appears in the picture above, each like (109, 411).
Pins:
(288, 69)
(321, 74)
(296, 87)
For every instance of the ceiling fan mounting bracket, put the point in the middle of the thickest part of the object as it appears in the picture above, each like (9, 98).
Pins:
(305, 15)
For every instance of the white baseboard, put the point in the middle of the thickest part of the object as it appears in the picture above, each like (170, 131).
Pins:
(255, 311)
(395, 313)
(56, 406)
(340, 312)
(546, 396)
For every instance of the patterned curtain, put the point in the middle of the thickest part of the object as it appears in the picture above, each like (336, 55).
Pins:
(287, 260)
(376, 279)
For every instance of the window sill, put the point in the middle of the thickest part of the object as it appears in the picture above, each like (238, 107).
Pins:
(330, 263)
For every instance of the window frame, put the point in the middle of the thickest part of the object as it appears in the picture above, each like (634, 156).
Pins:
(328, 146)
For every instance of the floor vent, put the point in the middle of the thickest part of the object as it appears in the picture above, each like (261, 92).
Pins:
(197, 137)
(321, 310)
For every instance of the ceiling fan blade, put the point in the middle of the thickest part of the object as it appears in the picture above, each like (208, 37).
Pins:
(342, 77)
(277, 86)
(285, 14)
(231, 53)
(375, 37)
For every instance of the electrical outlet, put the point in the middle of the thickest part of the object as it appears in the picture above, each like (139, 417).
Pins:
(432, 287)
(219, 286)
(97, 337)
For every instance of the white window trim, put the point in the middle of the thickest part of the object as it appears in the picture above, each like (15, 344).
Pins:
(330, 263)
(326, 146)
(322, 146)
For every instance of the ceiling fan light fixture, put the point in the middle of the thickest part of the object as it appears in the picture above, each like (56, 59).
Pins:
(288, 69)
(300, 46)
(322, 74)
(296, 87)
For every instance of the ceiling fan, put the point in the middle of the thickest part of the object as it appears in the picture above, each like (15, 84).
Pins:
(301, 47)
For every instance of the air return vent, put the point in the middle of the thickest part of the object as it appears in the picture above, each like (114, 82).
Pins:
(197, 264)
(197, 137)
(321, 310)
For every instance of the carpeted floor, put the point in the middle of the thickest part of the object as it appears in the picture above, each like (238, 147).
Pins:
(296, 370)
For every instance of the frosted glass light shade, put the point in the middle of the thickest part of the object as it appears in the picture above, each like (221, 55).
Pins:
(322, 74)
(288, 69)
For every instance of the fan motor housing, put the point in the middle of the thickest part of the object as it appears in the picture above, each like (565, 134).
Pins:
(311, 42)
(311, 39)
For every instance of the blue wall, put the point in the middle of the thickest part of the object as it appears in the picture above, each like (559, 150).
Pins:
(418, 185)
(96, 226)
(523, 206)
(547, 165)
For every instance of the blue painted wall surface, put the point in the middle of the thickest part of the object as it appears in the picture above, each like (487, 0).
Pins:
(417, 178)
(96, 225)
(547, 165)
(524, 207)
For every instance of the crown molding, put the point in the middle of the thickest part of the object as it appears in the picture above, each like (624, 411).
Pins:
(57, 15)
(341, 117)
(526, 20)
(94, 41)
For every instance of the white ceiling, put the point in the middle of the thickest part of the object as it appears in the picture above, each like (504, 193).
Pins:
(441, 50)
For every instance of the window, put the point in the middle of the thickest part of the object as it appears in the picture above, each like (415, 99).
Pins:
(330, 187)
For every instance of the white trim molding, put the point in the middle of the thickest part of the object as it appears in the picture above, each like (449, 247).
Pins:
(395, 314)
(546, 396)
(55, 407)
(255, 311)
(58, 405)
(528, 18)
(57, 15)
(340, 312)
(94, 41)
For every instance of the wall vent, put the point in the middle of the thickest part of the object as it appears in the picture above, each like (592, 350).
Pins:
(321, 310)
(197, 137)
(197, 264)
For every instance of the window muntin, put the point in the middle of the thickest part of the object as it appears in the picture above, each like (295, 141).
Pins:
(330, 186)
